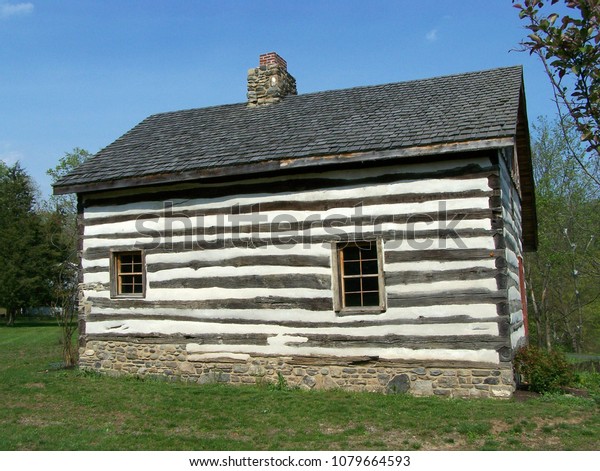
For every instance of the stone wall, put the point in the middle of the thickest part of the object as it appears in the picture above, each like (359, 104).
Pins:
(175, 362)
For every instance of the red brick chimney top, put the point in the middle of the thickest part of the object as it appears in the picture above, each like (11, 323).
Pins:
(272, 58)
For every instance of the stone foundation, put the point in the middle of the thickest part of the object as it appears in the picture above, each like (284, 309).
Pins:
(175, 362)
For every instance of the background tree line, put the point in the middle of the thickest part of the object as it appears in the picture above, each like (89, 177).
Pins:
(563, 276)
(38, 247)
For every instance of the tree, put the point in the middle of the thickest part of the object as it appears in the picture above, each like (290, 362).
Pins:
(562, 277)
(63, 238)
(568, 47)
(67, 163)
(26, 271)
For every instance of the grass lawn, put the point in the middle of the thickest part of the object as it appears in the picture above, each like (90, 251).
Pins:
(45, 408)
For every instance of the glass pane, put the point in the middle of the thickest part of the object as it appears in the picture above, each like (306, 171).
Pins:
(368, 251)
(369, 267)
(370, 283)
(137, 267)
(126, 259)
(126, 268)
(127, 279)
(351, 252)
(138, 287)
(126, 288)
(351, 284)
(371, 299)
(351, 268)
(352, 299)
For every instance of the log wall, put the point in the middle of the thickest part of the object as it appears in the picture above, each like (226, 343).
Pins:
(513, 241)
(245, 268)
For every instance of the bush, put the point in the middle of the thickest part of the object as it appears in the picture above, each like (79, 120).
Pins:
(589, 382)
(543, 371)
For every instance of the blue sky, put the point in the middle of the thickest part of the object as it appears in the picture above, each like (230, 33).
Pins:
(79, 73)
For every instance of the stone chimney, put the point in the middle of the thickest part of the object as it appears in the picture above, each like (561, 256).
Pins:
(270, 81)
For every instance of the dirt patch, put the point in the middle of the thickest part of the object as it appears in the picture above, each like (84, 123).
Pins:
(521, 395)
(576, 392)
(37, 422)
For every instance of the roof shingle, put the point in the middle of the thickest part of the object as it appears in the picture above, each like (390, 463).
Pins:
(456, 108)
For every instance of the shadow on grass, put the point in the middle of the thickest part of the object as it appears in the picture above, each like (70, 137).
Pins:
(21, 322)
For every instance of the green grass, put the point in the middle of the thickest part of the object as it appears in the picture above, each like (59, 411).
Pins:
(45, 408)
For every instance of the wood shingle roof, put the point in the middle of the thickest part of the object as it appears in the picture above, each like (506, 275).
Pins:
(189, 144)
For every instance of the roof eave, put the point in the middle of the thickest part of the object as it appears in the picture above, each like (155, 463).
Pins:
(285, 164)
(528, 206)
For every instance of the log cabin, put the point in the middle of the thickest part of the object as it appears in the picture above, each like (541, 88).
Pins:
(370, 238)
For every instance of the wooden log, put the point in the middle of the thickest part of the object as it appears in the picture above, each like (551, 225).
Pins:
(447, 297)
(94, 269)
(283, 185)
(375, 361)
(312, 281)
(281, 321)
(408, 277)
(461, 342)
(259, 302)
(338, 342)
(396, 256)
(204, 339)
(246, 261)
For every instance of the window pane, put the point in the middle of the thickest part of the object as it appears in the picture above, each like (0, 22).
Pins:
(126, 288)
(368, 251)
(371, 299)
(126, 258)
(137, 268)
(352, 284)
(352, 299)
(369, 267)
(351, 252)
(370, 283)
(127, 279)
(351, 268)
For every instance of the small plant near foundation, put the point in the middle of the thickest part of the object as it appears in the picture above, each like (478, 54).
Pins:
(544, 372)
(281, 383)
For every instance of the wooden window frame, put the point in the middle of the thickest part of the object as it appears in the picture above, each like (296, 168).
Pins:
(338, 276)
(115, 274)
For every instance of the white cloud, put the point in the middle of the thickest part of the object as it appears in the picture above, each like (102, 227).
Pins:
(432, 36)
(10, 158)
(8, 154)
(13, 9)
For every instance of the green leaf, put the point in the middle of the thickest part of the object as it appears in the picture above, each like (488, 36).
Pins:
(536, 38)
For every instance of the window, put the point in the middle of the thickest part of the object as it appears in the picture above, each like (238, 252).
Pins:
(128, 274)
(359, 276)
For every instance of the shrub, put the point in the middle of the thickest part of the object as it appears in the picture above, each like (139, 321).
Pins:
(544, 371)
